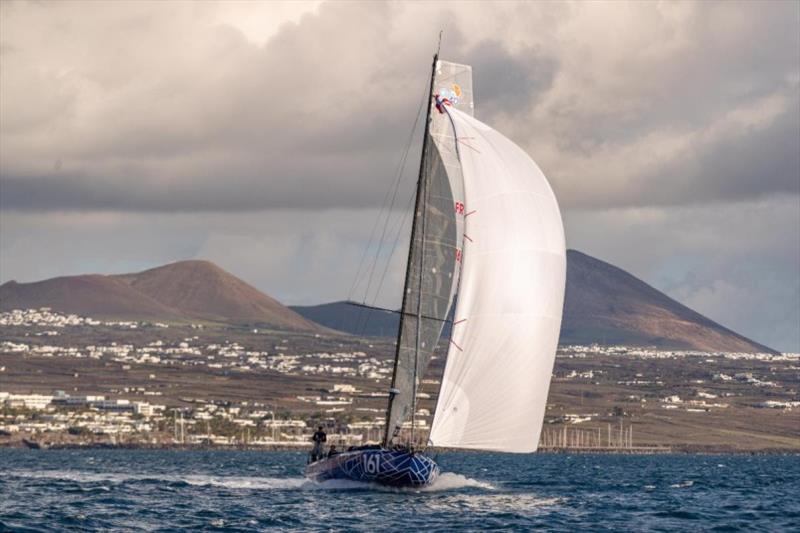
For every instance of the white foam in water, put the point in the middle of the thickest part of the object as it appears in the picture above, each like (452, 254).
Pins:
(447, 481)
(495, 501)
(80, 477)
(337, 484)
(231, 482)
(451, 481)
(251, 483)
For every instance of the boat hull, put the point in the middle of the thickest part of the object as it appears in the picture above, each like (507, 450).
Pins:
(394, 468)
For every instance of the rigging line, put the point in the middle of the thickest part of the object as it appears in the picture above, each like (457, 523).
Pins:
(369, 244)
(394, 185)
(397, 182)
(399, 312)
(380, 243)
(375, 263)
(409, 209)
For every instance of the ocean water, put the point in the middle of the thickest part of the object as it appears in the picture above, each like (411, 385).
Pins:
(246, 491)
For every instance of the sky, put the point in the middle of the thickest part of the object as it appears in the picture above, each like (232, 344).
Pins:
(263, 136)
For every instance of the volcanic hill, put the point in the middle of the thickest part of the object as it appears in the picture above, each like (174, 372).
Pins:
(603, 304)
(607, 305)
(186, 290)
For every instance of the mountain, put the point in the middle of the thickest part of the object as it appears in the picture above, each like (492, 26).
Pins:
(603, 304)
(201, 289)
(91, 295)
(353, 319)
(186, 290)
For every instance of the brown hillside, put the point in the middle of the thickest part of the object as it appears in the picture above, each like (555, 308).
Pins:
(200, 289)
(90, 295)
(605, 304)
(186, 291)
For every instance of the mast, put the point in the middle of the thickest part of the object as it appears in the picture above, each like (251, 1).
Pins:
(419, 207)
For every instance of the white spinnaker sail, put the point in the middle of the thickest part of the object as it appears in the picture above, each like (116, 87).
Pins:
(510, 299)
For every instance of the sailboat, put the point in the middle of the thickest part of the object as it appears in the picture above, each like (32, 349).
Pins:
(487, 254)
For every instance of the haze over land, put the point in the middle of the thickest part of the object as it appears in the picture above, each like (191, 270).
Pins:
(262, 136)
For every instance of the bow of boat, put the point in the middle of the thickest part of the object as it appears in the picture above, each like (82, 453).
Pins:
(394, 468)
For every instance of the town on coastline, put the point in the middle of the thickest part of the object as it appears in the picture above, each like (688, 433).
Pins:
(67, 381)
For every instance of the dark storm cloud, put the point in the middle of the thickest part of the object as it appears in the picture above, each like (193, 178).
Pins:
(113, 111)
(222, 192)
(507, 81)
(731, 162)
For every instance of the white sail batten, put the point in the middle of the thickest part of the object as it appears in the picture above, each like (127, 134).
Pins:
(510, 298)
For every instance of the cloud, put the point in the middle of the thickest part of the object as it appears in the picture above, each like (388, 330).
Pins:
(296, 256)
(179, 107)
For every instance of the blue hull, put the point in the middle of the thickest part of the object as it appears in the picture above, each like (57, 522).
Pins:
(386, 467)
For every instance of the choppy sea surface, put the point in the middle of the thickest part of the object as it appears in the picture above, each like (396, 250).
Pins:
(126, 490)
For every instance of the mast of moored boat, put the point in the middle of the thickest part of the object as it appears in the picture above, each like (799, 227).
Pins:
(419, 209)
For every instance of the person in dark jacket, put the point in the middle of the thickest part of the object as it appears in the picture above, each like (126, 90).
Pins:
(333, 451)
(319, 438)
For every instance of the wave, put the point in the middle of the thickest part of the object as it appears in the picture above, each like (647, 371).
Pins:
(445, 482)
(451, 481)
(496, 501)
(231, 482)
(247, 483)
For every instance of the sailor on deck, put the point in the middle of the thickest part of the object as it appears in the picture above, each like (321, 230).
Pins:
(318, 438)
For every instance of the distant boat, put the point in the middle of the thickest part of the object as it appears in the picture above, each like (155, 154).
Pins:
(486, 238)
(35, 445)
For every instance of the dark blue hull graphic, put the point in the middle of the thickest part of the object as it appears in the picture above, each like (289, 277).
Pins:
(386, 467)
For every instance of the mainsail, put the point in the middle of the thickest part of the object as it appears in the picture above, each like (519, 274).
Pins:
(510, 299)
(436, 241)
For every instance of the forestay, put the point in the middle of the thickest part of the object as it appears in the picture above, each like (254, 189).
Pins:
(510, 298)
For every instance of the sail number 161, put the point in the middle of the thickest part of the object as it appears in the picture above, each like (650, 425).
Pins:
(371, 463)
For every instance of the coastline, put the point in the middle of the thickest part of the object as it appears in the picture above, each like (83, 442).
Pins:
(673, 450)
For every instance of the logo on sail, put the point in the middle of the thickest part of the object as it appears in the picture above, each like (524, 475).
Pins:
(448, 96)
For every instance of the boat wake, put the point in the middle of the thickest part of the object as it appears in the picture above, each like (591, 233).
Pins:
(451, 481)
(445, 482)
(113, 478)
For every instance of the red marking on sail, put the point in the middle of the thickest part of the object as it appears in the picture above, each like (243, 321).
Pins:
(461, 140)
